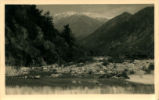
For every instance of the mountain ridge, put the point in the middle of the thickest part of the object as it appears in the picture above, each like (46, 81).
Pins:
(81, 25)
(125, 35)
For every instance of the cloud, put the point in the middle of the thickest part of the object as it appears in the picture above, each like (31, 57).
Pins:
(64, 14)
(98, 11)
(70, 13)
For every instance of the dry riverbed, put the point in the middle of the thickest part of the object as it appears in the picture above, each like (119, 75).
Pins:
(100, 67)
(138, 72)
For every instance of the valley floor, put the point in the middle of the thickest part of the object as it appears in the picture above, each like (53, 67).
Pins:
(98, 76)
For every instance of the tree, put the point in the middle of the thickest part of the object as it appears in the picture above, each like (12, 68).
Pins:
(67, 34)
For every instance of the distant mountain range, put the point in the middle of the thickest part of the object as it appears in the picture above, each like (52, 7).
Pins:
(81, 25)
(126, 34)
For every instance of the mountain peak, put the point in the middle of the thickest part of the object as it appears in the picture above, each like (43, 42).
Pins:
(123, 16)
(126, 13)
(82, 14)
(146, 11)
(124, 31)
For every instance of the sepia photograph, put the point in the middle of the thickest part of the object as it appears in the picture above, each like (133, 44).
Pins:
(79, 49)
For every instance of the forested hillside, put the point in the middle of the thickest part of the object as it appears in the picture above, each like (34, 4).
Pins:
(125, 35)
(32, 40)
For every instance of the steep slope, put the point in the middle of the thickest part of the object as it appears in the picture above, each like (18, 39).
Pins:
(81, 25)
(105, 33)
(32, 40)
(126, 35)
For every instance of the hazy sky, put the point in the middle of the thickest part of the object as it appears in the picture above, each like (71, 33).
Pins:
(100, 10)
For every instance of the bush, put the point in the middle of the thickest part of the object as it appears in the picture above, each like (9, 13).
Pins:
(124, 74)
(105, 62)
(149, 69)
(54, 71)
(151, 66)
(90, 72)
(132, 72)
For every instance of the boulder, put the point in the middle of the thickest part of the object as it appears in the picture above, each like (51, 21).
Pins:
(37, 77)
(55, 75)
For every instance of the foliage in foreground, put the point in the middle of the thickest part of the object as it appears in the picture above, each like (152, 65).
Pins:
(32, 40)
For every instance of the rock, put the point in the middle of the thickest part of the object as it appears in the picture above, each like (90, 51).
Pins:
(36, 68)
(24, 70)
(45, 69)
(74, 81)
(37, 77)
(54, 65)
(115, 77)
(25, 77)
(55, 75)
(101, 72)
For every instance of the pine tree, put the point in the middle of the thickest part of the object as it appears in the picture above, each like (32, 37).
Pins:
(67, 34)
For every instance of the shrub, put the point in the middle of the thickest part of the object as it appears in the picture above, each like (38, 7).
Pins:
(124, 74)
(149, 69)
(90, 72)
(151, 66)
(54, 71)
(105, 62)
(132, 72)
